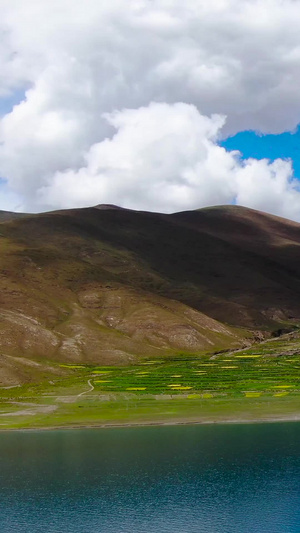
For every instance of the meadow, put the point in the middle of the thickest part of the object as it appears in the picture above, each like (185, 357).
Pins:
(262, 382)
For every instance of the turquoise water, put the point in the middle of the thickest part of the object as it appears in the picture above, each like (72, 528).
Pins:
(186, 479)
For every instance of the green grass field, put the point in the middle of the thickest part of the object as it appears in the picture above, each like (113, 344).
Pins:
(255, 384)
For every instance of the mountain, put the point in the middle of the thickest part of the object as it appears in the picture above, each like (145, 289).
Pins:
(5, 216)
(110, 285)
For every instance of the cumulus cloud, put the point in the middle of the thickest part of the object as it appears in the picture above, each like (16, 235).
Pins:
(162, 157)
(167, 158)
(100, 120)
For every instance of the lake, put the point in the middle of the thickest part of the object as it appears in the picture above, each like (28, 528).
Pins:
(186, 479)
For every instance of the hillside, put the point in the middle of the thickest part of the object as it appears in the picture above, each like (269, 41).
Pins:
(111, 285)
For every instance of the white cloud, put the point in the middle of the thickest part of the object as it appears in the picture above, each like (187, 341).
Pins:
(162, 157)
(166, 158)
(80, 61)
(269, 187)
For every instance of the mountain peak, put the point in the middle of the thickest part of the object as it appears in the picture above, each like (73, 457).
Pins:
(107, 206)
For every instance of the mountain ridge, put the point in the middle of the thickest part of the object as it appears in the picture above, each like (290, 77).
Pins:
(112, 285)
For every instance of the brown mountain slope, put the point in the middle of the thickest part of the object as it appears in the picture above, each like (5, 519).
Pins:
(5, 216)
(108, 284)
(270, 246)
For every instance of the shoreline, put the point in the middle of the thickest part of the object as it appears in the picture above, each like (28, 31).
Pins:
(208, 422)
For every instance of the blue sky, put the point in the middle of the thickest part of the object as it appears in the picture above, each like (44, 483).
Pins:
(251, 144)
(8, 101)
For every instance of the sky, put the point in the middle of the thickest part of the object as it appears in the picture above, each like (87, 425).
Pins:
(158, 105)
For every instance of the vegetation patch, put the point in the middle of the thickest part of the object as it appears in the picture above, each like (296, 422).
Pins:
(252, 386)
(136, 388)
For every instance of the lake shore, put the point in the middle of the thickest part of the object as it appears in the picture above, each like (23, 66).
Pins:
(163, 423)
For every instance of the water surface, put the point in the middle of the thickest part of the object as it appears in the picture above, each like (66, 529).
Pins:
(186, 479)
